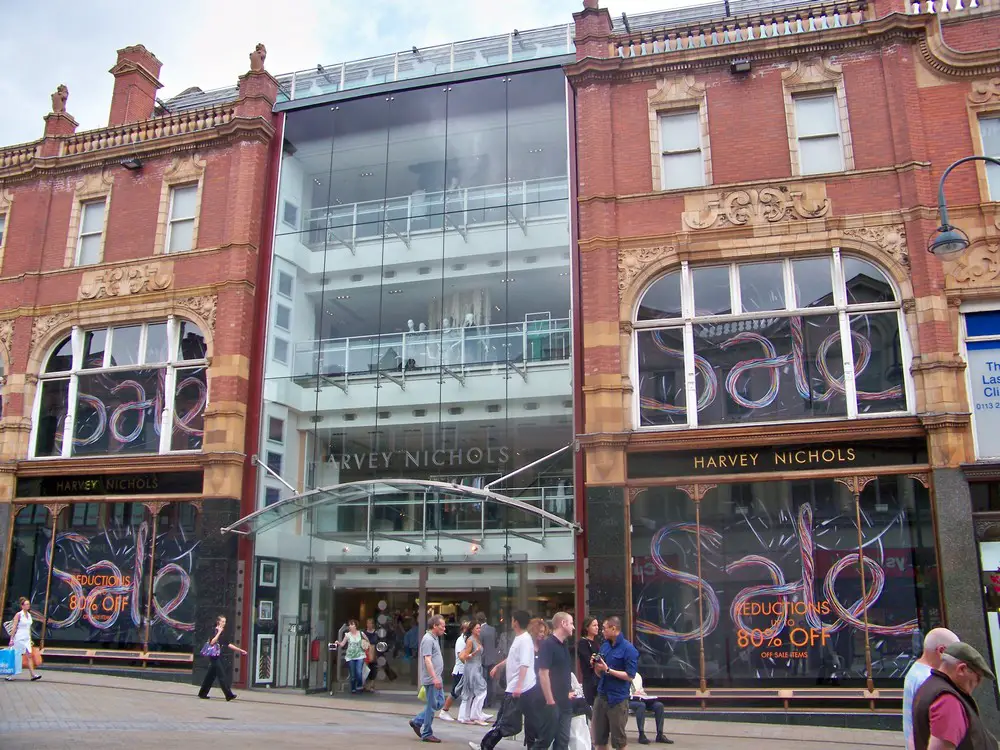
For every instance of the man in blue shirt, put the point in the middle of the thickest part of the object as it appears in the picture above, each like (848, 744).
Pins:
(934, 645)
(615, 665)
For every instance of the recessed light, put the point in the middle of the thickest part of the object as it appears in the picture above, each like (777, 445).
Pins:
(367, 174)
(506, 281)
(343, 296)
(395, 291)
(317, 181)
(535, 150)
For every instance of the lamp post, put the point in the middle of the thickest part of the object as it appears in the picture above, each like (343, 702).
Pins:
(949, 240)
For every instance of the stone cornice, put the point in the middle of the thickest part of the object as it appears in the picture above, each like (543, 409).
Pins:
(921, 29)
(238, 128)
(895, 27)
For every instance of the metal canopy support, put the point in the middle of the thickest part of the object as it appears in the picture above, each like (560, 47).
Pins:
(460, 538)
(399, 235)
(520, 222)
(458, 228)
(346, 243)
(523, 373)
(392, 379)
(415, 542)
(449, 371)
(269, 470)
(330, 381)
(526, 537)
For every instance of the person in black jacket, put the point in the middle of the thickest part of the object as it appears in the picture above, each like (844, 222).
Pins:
(215, 670)
(586, 647)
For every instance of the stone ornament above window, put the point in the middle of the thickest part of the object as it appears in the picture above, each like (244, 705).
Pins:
(671, 95)
(123, 281)
(633, 261)
(817, 76)
(92, 187)
(6, 336)
(985, 91)
(203, 307)
(891, 240)
(758, 206)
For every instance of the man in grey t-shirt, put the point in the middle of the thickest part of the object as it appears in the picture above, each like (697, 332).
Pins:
(431, 667)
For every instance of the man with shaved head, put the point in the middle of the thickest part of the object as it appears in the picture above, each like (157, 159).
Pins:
(935, 643)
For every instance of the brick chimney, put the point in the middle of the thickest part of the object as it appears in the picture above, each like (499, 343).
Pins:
(593, 30)
(135, 85)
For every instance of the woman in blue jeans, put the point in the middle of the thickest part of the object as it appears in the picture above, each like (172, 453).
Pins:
(357, 646)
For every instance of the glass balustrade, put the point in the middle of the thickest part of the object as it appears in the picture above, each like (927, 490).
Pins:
(458, 209)
(535, 341)
(424, 514)
(416, 63)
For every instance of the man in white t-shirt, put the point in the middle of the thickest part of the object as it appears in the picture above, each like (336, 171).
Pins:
(934, 645)
(518, 704)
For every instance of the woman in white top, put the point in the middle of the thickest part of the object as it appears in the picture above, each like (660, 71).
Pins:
(20, 636)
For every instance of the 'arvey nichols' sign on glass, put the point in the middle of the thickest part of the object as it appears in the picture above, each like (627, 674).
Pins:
(776, 458)
(423, 459)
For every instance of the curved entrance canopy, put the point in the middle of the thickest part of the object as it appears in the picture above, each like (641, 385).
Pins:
(385, 491)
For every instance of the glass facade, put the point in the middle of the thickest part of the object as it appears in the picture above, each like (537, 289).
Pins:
(418, 329)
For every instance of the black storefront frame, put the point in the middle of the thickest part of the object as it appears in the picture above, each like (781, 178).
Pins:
(855, 481)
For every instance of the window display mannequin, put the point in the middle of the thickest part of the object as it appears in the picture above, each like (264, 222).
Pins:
(409, 326)
(422, 327)
(473, 350)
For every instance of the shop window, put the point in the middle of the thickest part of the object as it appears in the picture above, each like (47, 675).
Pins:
(989, 130)
(28, 540)
(274, 461)
(985, 497)
(757, 342)
(982, 348)
(110, 392)
(271, 495)
(764, 577)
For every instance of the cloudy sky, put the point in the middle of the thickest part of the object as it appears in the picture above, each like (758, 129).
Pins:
(206, 42)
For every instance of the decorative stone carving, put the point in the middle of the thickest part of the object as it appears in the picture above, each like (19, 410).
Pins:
(126, 280)
(985, 91)
(889, 239)
(755, 206)
(204, 307)
(631, 262)
(979, 265)
(811, 72)
(59, 98)
(257, 58)
(6, 336)
(676, 90)
(41, 326)
(626, 327)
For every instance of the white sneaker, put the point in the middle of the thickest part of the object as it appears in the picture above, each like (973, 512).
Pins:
(486, 717)
(444, 715)
(474, 745)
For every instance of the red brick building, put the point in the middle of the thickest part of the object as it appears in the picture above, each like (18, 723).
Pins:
(779, 384)
(129, 259)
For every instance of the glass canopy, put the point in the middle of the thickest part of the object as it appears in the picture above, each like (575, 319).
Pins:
(417, 503)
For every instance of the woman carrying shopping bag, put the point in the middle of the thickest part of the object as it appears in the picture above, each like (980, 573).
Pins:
(213, 650)
(356, 644)
(20, 638)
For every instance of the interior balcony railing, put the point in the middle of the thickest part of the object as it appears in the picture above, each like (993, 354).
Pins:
(423, 515)
(456, 210)
(416, 62)
(454, 351)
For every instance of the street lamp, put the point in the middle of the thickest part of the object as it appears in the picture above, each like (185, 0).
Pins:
(949, 240)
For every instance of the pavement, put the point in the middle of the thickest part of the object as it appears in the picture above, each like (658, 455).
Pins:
(83, 711)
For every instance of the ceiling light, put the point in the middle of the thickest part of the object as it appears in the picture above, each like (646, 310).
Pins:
(395, 291)
(367, 174)
(343, 296)
(535, 150)
(317, 181)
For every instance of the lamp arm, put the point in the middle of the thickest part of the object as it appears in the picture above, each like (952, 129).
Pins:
(942, 206)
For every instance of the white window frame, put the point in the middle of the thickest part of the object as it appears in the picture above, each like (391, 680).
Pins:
(688, 320)
(81, 234)
(988, 168)
(172, 220)
(666, 153)
(837, 133)
(274, 350)
(77, 337)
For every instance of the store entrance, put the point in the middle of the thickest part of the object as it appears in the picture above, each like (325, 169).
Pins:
(395, 617)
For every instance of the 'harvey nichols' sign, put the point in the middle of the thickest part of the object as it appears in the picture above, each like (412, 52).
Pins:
(422, 459)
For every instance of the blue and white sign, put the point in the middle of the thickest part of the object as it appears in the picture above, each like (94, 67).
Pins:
(983, 347)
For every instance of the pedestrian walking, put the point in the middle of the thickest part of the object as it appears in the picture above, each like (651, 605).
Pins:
(945, 714)
(519, 667)
(213, 650)
(615, 665)
(457, 673)
(555, 667)
(586, 647)
(474, 683)
(357, 646)
(933, 648)
(20, 637)
(491, 655)
(430, 664)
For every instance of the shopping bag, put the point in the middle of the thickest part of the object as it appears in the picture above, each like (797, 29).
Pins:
(422, 693)
(36, 655)
(10, 664)
(365, 671)
(579, 734)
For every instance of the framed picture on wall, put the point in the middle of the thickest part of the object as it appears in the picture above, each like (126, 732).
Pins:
(268, 573)
(264, 663)
(265, 610)
(307, 577)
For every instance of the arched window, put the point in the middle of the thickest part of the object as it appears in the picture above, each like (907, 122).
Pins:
(123, 389)
(809, 338)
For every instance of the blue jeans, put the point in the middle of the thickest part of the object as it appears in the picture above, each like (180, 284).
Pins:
(435, 700)
(356, 667)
